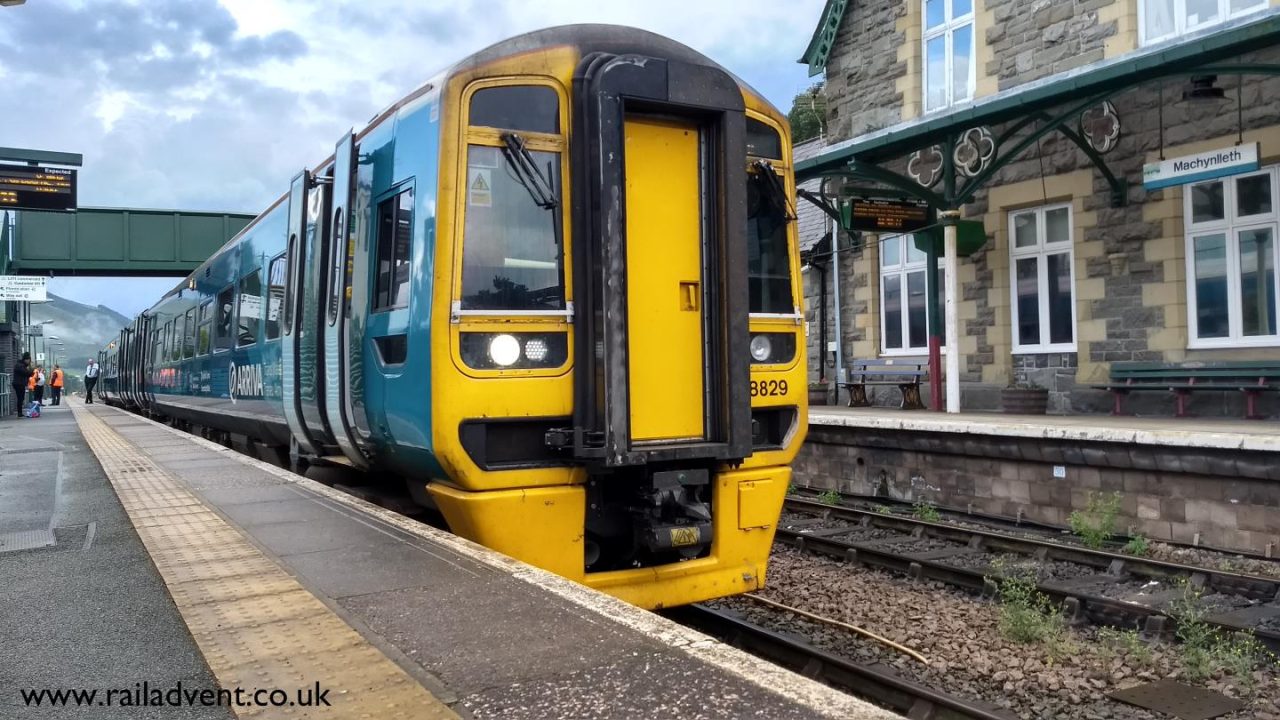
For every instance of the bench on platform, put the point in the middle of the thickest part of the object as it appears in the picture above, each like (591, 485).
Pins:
(1251, 377)
(904, 372)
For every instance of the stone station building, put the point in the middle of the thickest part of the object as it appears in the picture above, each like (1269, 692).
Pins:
(1039, 122)
(1070, 279)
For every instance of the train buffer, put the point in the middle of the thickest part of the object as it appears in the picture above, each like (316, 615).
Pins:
(142, 566)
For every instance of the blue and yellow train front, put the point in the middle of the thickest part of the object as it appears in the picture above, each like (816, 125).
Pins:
(618, 382)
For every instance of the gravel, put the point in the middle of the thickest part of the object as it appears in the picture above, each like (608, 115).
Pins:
(917, 546)
(803, 521)
(968, 655)
(870, 534)
(1226, 562)
(1045, 571)
(1272, 623)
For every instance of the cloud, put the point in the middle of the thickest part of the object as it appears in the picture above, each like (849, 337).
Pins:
(208, 104)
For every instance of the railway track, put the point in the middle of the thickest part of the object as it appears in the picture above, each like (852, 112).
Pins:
(872, 681)
(1093, 585)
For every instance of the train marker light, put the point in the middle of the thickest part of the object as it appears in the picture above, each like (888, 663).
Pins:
(536, 349)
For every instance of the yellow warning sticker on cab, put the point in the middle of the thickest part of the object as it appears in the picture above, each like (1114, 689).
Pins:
(479, 187)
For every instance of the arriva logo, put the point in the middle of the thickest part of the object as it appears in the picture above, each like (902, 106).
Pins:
(244, 381)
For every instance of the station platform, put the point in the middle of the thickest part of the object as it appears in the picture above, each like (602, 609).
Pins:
(138, 559)
(1220, 433)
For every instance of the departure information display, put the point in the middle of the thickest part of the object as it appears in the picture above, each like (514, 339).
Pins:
(888, 214)
(27, 187)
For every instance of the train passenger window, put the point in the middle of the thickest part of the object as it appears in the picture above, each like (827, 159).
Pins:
(763, 141)
(275, 296)
(395, 247)
(189, 337)
(535, 108)
(250, 313)
(224, 313)
(511, 254)
(175, 340)
(768, 262)
(202, 343)
(165, 344)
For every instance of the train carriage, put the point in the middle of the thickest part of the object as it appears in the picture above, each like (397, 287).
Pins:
(555, 290)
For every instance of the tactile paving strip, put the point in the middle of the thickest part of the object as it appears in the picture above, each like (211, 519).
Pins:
(255, 624)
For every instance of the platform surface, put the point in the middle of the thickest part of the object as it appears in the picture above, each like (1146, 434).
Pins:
(1263, 435)
(254, 572)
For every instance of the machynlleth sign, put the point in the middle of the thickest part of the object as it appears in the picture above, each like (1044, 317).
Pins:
(877, 214)
(25, 187)
(1200, 167)
(22, 288)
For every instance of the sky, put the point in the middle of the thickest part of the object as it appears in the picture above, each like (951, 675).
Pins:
(216, 104)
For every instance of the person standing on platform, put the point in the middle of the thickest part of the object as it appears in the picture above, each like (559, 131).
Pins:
(55, 385)
(90, 380)
(39, 380)
(21, 375)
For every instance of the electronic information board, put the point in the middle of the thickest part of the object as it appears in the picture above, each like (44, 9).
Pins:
(870, 213)
(27, 187)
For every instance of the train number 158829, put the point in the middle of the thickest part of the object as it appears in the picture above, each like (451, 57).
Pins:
(768, 388)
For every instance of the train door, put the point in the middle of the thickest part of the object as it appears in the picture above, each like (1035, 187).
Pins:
(664, 280)
(661, 360)
(301, 359)
(340, 382)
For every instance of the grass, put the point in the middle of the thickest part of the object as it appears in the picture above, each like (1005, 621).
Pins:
(1096, 523)
(1137, 545)
(925, 510)
(884, 510)
(1125, 642)
(1205, 650)
(830, 497)
(1027, 615)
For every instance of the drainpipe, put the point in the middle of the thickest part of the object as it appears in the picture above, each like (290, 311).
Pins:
(822, 321)
(949, 218)
(835, 298)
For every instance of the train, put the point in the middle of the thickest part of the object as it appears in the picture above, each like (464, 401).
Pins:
(555, 291)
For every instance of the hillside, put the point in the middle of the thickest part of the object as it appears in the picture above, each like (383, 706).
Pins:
(83, 329)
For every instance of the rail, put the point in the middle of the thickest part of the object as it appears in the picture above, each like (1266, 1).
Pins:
(6, 395)
(1082, 603)
(877, 683)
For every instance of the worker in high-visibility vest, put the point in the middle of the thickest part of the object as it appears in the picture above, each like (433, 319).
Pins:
(56, 385)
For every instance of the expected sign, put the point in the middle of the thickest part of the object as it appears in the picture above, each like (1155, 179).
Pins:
(1200, 167)
(876, 213)
(22, 288)
(26, 187)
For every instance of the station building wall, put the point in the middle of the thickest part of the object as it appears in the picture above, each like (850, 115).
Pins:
(1129, 288)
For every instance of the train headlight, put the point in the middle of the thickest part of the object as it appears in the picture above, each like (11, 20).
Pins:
(772, 348)
(761, 348)
(504, 350)
(514, 350)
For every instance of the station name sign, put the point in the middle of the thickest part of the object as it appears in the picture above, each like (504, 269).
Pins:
(1200, 167)
(880, 213)
(26, 187)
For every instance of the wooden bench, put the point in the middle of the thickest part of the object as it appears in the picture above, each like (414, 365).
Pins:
(1251, 377)
(905, 372)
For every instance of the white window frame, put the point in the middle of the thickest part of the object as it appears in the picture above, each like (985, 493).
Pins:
(901, 271)
(1230, 226)
(1040, 251)
(947, 29)
(1180, 26)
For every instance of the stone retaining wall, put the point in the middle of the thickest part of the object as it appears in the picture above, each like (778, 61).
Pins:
(1228, 498)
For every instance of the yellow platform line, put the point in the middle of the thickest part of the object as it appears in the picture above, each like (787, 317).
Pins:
(257, 626)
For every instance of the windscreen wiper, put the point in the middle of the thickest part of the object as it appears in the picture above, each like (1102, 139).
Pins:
(527, 172)
(777, 193)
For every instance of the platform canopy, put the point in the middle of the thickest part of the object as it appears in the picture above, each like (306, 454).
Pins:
(945, 158)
